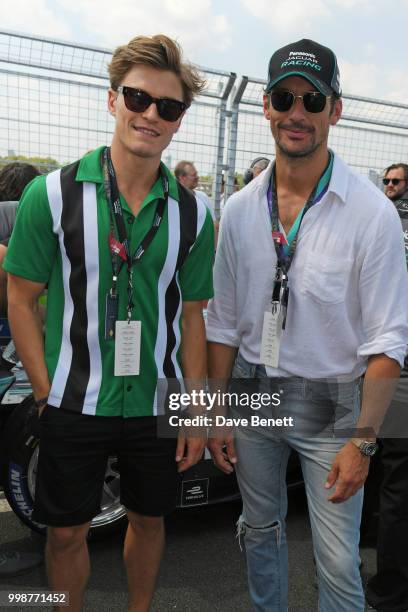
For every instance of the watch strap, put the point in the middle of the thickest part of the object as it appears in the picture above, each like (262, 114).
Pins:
(364, 445)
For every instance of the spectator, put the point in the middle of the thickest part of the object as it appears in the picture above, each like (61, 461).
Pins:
(387, 590)
(13, 179)
(186, 173)
(396, 182)
(257, 166)
(396, 188)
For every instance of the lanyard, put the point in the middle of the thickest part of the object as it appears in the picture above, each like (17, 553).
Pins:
(286, 252)
(120, 247)
(280, 294)
(284, 260)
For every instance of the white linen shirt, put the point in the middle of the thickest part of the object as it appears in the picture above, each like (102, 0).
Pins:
(203, 197)
(348, 280)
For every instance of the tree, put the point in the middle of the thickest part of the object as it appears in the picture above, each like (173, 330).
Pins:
(44, 164)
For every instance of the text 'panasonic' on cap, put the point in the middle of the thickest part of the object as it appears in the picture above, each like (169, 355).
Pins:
(308, 59)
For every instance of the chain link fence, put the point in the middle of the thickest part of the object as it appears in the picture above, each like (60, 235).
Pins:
(53, 106)
(371, 135)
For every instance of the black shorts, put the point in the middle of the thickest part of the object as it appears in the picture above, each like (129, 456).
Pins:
(74, 449)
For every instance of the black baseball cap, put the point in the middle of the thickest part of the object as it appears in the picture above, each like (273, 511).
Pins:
(308, 59)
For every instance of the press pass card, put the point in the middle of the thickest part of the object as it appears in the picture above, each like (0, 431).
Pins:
(271, 336)
(127, 348)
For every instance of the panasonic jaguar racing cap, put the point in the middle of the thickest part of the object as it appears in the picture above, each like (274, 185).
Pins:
(308, 59)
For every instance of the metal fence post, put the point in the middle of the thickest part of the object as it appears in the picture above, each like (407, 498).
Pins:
(370, 135)
(53, 105)
(222, 120)
(232, 137)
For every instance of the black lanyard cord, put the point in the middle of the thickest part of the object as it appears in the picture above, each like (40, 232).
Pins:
(285, 261)
(117, 219)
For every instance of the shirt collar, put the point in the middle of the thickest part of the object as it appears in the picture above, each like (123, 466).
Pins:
(90, 171)
(338, 183)
(340, 177)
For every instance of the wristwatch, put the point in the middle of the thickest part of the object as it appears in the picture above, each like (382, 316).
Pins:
(368, 449)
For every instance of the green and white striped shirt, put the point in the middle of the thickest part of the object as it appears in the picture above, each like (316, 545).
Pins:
(61, 238)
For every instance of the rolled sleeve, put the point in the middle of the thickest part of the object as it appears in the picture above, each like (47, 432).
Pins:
(384, 289)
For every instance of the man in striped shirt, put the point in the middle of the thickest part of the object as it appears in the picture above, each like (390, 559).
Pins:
(126, 255)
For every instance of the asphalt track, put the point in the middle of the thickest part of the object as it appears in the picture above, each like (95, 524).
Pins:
(203, 569)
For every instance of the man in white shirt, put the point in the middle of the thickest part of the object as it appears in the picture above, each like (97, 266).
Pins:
(186, 173)
(310, 293)
(387, 590)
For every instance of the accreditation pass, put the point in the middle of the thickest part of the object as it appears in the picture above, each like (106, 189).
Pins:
(127, 348)
(271, 335)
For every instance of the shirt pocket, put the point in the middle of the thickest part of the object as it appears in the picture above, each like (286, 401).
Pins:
(326, 278)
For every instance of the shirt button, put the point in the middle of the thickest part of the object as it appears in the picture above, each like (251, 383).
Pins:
(129, 388)
(130, 220)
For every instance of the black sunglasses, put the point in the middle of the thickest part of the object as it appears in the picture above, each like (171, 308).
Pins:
(313, 101)
(394, 181)
(137, 101)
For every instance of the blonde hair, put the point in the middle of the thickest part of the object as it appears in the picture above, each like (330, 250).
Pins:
(162, 53)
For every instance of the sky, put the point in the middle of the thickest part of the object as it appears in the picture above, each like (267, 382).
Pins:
(368, 36)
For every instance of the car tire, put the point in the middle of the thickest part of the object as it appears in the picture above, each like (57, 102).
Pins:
(20, 458)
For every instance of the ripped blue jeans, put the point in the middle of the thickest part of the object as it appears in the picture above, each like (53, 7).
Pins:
(263, 454)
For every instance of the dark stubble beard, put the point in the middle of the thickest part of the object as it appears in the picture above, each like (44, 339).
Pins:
(306, 152)
(395, 197)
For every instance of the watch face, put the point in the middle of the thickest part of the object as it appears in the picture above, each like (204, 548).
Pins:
(369, 449)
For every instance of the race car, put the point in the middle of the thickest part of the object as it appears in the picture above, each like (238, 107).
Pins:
(201, 485)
